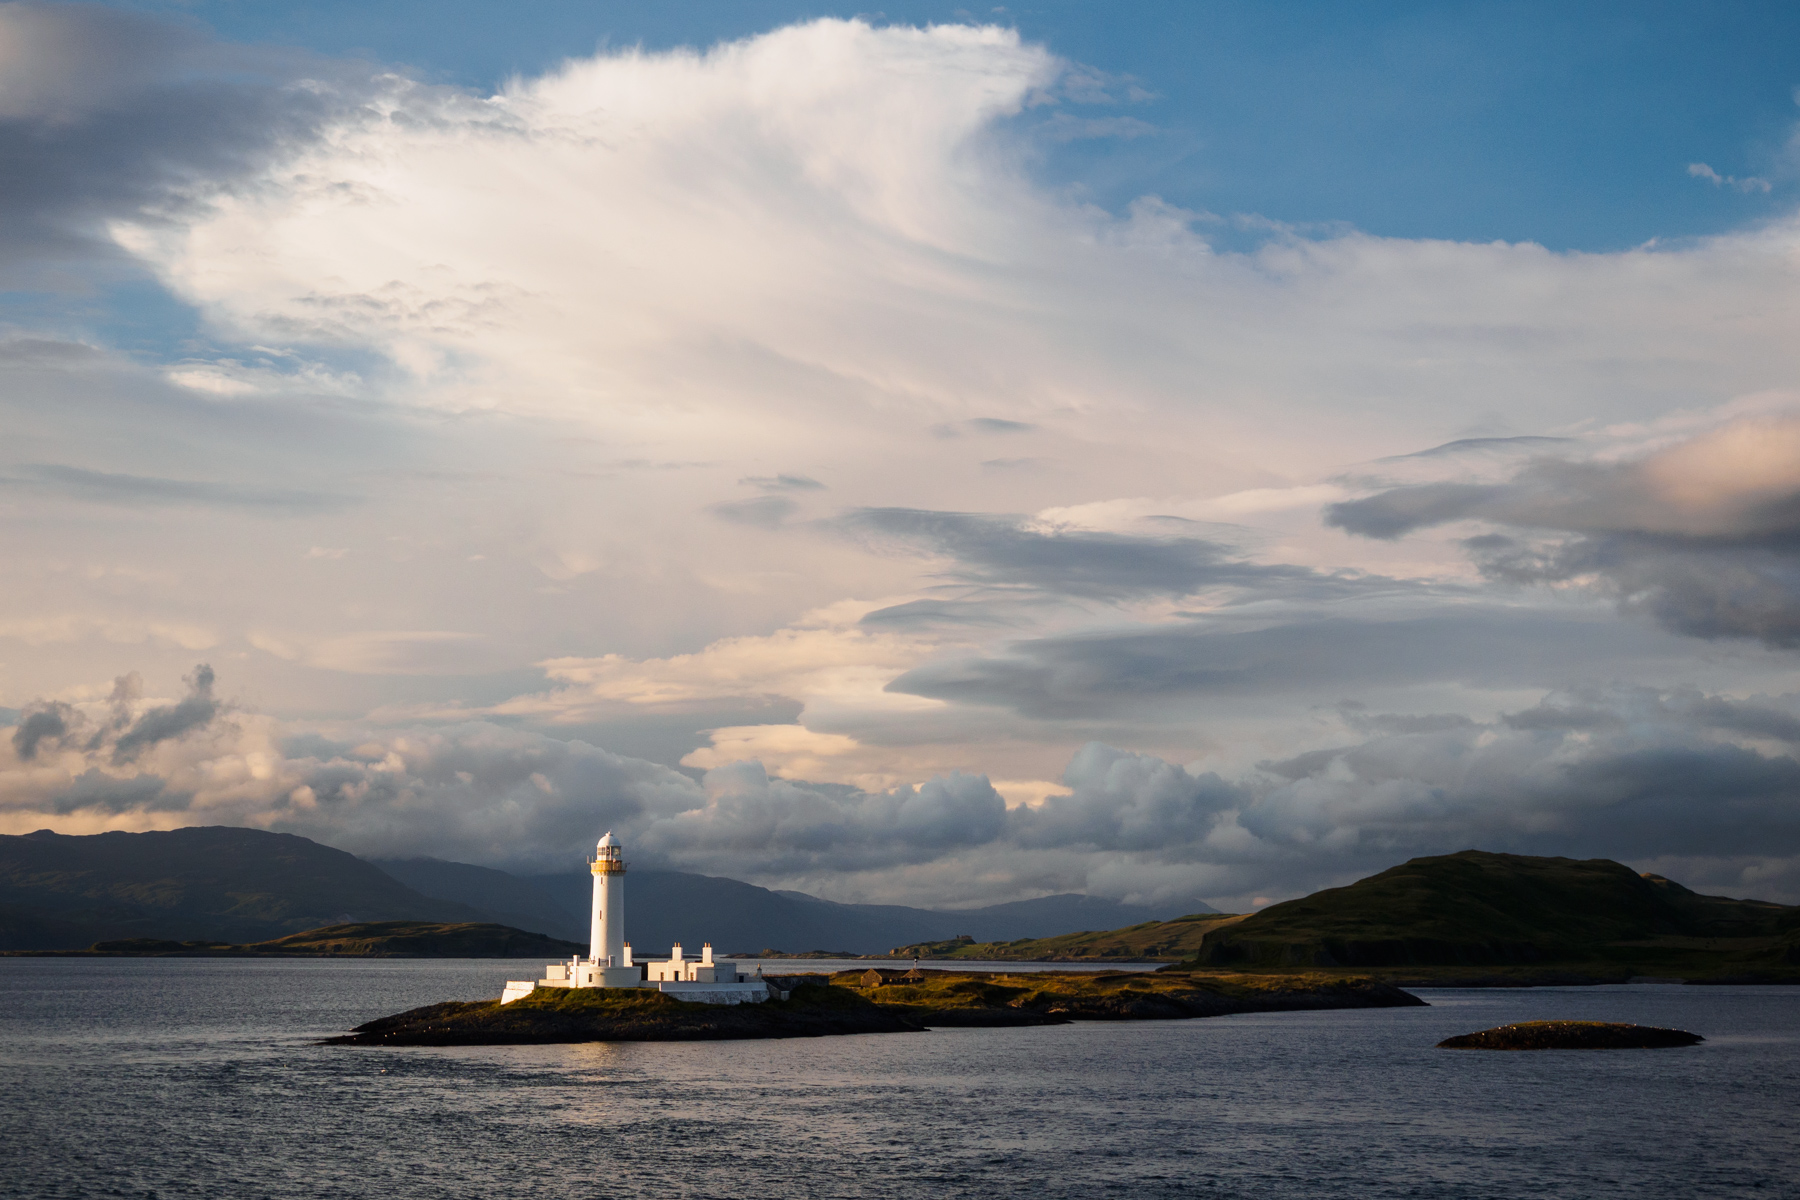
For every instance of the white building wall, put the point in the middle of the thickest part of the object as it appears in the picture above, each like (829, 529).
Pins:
(609, 898)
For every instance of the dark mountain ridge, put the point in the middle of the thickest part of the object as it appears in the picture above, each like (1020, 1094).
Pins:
(669, 906)
(507, 899)
(214, 883)
(222, 884)
(367, 939)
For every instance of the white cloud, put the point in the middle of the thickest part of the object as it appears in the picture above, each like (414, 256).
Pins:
(828, 654)
(1750, 183)
(823, 229)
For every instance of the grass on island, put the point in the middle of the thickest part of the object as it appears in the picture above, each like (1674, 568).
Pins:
(562, 1015)
(957, 997)
(1150, 941)
(815, 993)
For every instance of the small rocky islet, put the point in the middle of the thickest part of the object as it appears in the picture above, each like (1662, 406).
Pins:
(1572, 1035)
(870, 1001)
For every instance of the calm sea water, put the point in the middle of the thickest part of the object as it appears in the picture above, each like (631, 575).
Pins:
(196, 1077)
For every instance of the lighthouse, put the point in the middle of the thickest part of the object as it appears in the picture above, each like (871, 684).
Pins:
(606, 936)
(608, 963)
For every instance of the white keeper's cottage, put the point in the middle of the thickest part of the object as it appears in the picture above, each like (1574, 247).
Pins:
(609, 963)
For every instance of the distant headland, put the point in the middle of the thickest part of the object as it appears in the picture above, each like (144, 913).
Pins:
(1486, 919)
(1468, 919)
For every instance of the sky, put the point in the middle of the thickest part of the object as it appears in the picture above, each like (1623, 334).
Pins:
(931, 456)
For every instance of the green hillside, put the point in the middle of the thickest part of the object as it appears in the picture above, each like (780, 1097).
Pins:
(372, 939)
(1148, 941)
(1481, 909)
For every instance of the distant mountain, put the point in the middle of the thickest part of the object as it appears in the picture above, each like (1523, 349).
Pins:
(505, 898)
(60, 892)
(369, 939)
(662, 907)
(1477, 908)
(244, 885)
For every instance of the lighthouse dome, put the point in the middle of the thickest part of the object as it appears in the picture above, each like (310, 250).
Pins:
(608, 840)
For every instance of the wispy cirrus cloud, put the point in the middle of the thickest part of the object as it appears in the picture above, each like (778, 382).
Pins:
(1701, 535)
(114, 487)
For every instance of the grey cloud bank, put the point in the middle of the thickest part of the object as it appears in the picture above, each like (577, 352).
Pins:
(1096, 673)
(105, 114)
(1001, 551)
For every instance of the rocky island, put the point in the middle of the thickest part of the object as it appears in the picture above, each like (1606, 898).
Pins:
(1572, 1035)
(870, 1001)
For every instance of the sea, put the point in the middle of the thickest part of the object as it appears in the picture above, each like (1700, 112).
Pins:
(171, 1078)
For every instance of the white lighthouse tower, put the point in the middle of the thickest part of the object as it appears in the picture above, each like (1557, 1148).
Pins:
(606, 939)
(608, 963)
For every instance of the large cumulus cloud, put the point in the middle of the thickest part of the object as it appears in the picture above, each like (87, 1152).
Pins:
(473, 792)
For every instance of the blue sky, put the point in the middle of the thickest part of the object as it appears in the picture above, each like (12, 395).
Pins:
(1568, 125)
(1205, 450)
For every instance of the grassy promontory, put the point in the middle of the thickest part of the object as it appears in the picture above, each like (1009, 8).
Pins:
(869, 1002)
(1150, 941)
(945, 998)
